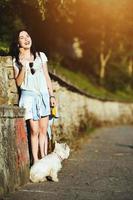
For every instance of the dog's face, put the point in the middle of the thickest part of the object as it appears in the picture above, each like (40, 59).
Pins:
(62, 149)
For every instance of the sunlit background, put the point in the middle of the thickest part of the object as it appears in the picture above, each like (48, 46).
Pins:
(91, 38)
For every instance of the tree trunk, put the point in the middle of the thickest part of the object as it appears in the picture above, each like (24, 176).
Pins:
(103, 63)
(42, 9)
(130, 67)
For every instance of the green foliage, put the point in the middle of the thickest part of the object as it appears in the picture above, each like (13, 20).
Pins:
(4, 3)
(9, 22)
(4, 48)
(82, 82)
(99, 25)
(117, 78)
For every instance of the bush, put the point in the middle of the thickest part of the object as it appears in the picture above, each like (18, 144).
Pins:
(116, 78)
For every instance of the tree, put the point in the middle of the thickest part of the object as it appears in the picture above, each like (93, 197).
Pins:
(102, 28)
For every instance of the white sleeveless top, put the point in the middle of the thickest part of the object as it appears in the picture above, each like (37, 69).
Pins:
(34, 82)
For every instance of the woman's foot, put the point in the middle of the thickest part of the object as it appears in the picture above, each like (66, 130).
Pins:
(43, 156)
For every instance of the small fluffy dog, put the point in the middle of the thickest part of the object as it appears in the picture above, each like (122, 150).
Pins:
(50, 165)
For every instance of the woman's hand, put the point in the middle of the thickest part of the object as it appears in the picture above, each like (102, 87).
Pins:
(23, 64)
(21, 75)
(52, 101)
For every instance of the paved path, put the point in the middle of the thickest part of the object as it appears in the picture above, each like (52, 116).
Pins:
(101, 170)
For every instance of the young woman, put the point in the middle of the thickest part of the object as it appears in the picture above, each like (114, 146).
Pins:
(31, 74)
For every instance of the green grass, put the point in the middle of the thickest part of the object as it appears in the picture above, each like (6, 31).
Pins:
(82, 82)
(4, 47)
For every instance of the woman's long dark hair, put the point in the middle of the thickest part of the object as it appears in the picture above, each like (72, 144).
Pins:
(14, 48)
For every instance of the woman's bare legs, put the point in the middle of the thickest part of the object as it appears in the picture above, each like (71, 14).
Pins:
(34, 128)
(43, 141)
(46, 145)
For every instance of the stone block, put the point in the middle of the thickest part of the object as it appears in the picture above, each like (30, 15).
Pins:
(14, 154)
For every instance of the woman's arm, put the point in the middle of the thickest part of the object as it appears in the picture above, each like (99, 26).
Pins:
(19, 74)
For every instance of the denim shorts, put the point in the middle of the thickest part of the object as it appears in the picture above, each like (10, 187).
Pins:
(36, 104)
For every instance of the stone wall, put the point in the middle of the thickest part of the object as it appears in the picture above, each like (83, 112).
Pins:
(14, 155)
(8, 89)
(76, 110)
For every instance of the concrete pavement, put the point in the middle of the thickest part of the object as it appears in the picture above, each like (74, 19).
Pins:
(102, 169)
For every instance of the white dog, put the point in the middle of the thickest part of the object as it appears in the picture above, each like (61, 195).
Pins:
(50, 165)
